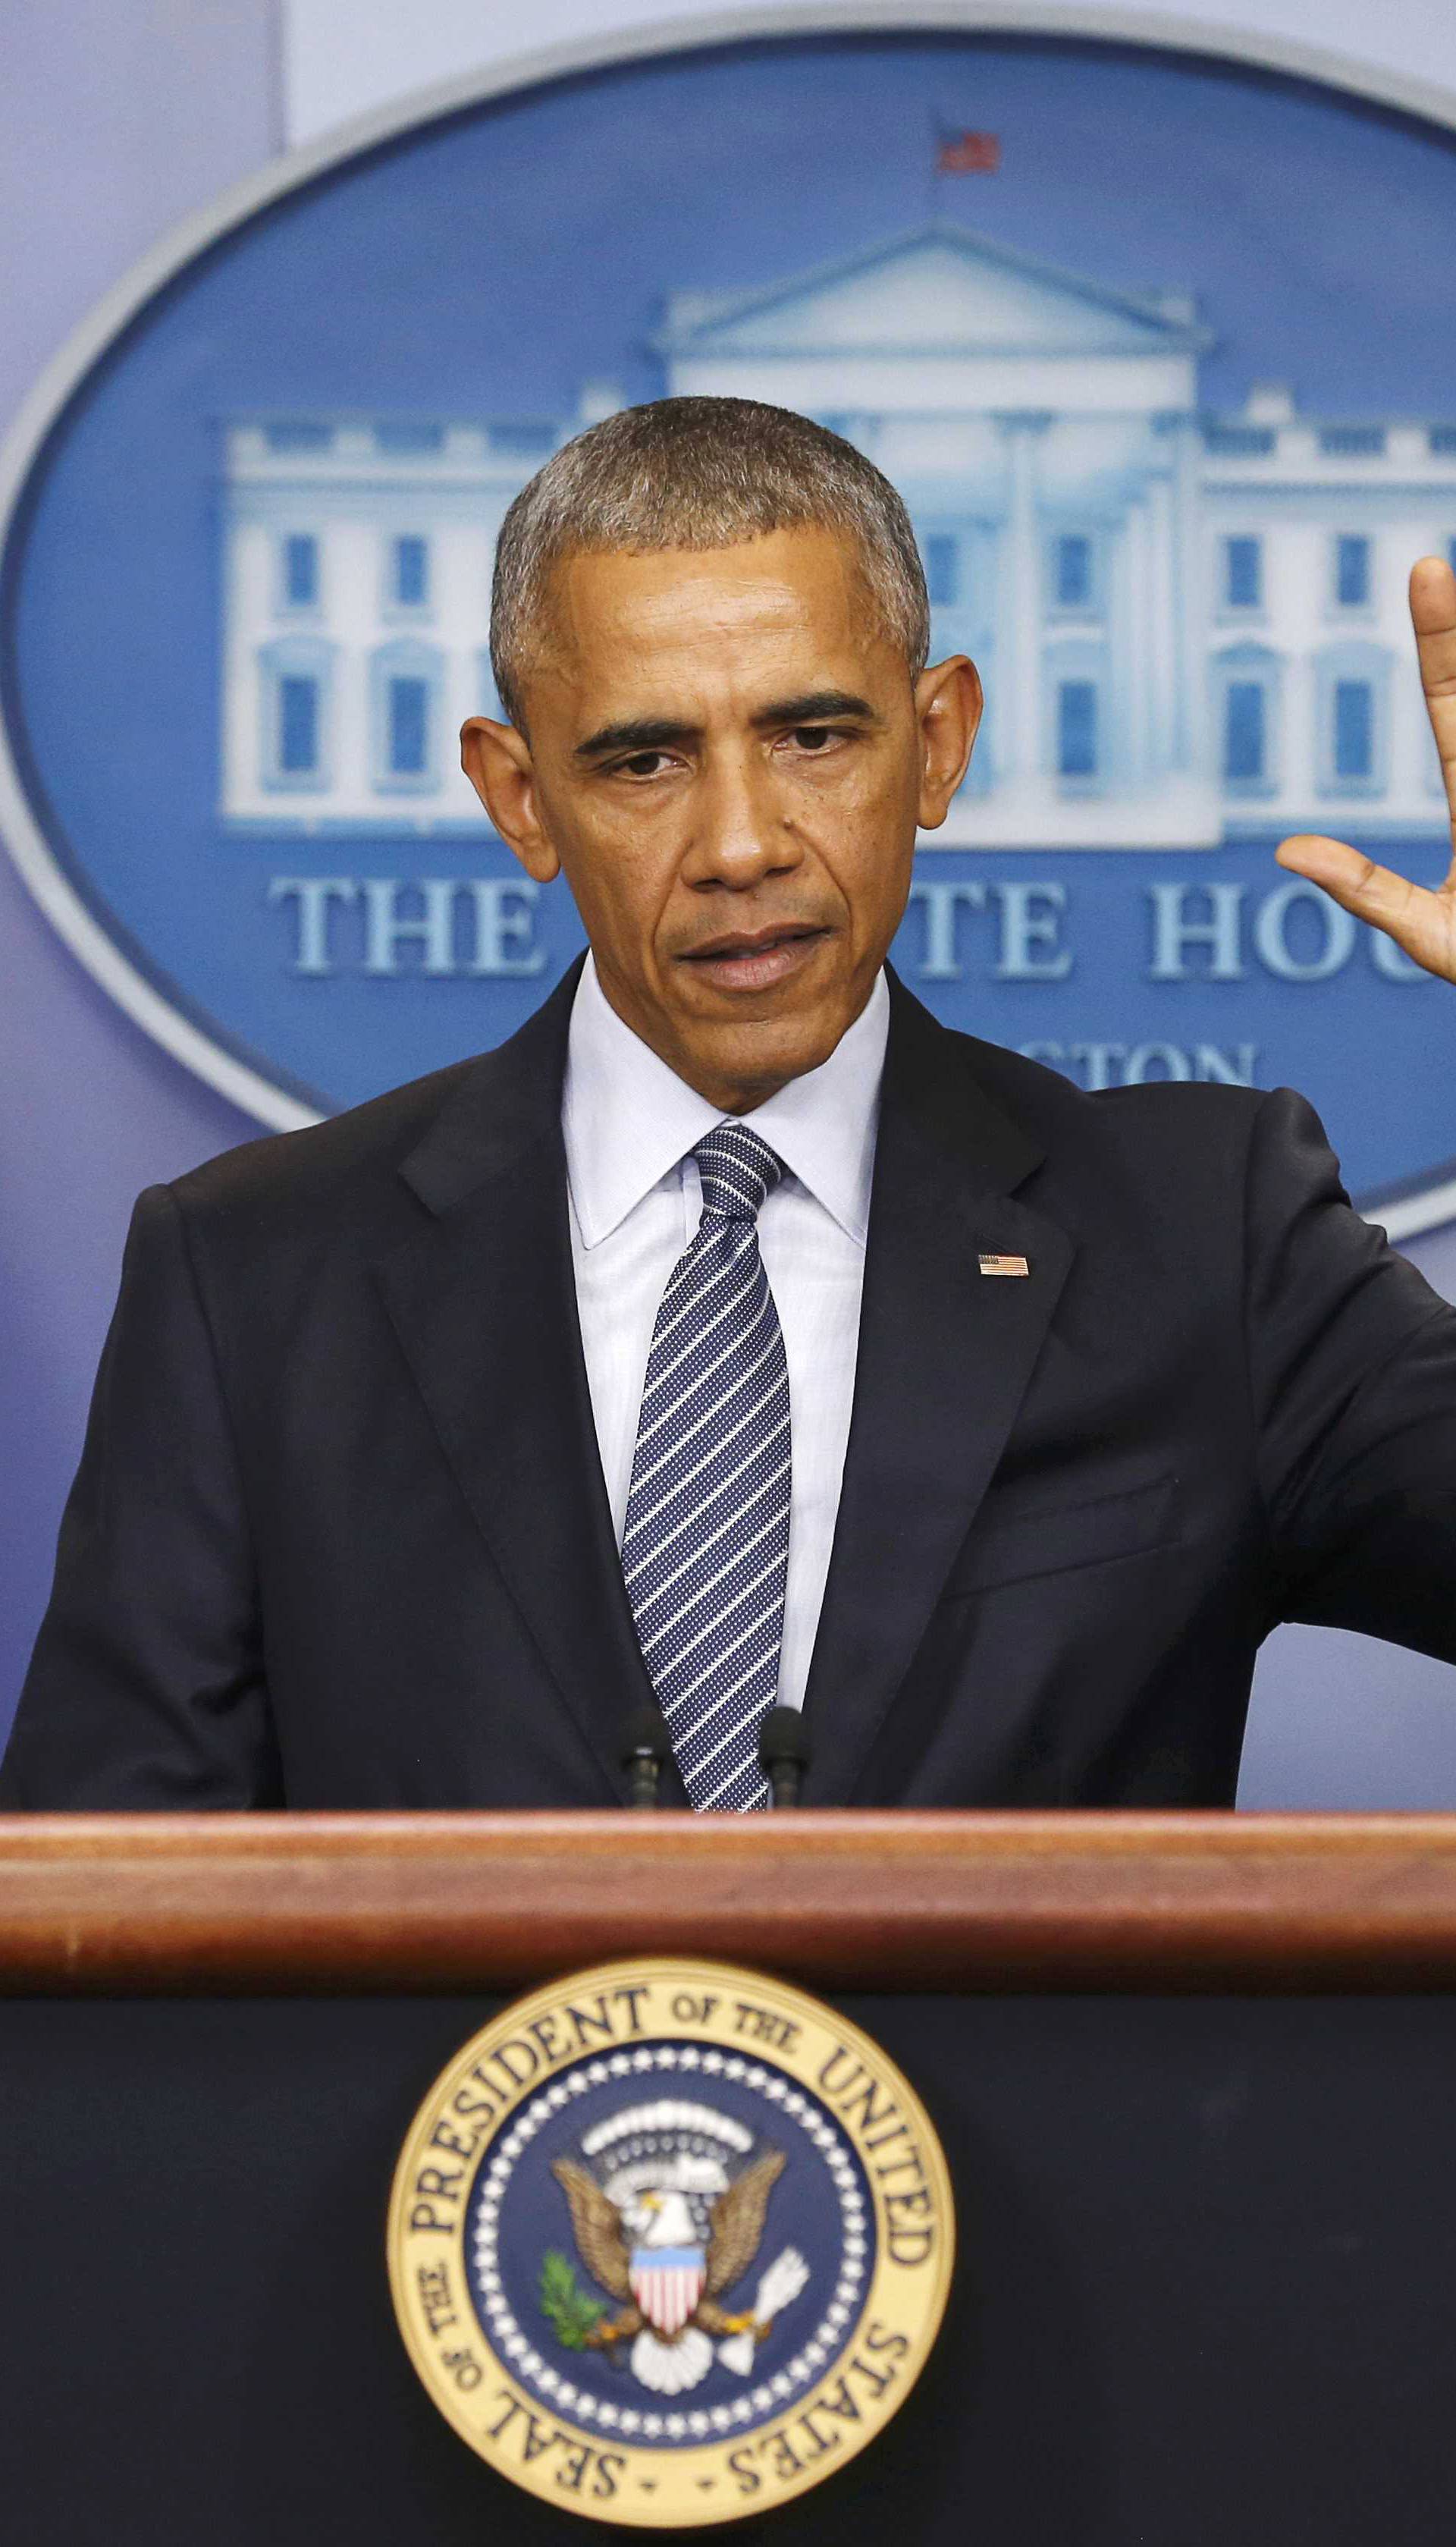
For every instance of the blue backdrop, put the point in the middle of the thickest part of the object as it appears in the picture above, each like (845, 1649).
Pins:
(485, 266)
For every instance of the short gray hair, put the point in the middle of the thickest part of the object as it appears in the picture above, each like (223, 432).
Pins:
(698, 472)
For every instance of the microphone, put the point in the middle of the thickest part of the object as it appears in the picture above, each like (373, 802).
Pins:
(647, 1749)
(784, 1752)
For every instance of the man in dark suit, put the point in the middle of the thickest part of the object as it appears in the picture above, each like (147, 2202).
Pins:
(736, 1331)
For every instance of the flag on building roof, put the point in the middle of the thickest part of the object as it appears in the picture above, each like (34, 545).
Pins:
(968, 154)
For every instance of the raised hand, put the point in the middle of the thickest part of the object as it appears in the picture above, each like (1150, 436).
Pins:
(1420, 921)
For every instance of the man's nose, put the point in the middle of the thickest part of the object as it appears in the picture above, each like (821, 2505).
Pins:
(742, 833)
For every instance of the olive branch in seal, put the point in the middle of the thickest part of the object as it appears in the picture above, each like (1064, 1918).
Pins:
(571, 2310)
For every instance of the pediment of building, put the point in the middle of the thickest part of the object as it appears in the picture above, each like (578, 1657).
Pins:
(940, 290)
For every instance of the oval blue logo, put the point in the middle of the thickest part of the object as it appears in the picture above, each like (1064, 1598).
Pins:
(1140, 336)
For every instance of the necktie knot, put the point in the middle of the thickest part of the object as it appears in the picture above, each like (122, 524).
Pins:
(739, 1170)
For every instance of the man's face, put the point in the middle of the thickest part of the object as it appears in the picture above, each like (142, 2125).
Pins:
(729, 761)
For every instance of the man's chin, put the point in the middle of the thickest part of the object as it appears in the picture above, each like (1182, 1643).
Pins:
(754, 1054)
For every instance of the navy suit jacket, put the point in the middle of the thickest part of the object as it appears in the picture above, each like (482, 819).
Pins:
(339, 1536)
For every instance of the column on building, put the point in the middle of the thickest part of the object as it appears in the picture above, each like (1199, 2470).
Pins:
(1194, 617)
(1020, 727)
(1164, 713)
(1140, 638)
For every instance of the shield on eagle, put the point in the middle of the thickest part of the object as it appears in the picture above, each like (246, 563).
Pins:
(667, 2283)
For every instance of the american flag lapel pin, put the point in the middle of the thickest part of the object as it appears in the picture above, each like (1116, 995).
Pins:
(1005, 1265)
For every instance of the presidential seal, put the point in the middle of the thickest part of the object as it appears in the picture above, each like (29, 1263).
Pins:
(669, 2242)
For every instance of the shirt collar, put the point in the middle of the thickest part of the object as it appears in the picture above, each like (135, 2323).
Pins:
(628, 1119)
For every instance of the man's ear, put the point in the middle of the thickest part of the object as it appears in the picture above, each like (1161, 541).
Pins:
(948, 704)
(496, 760)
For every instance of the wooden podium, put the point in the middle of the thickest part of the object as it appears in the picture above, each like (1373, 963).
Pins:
(1196, 2074)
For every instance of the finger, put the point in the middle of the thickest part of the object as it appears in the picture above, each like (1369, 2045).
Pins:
(1433, 618)
(1433, 603)
(1423, 922)
(1418, 921)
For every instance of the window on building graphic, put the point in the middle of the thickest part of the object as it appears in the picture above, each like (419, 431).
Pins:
(1238, 441)
(404, 436)
(1243, 573)
(1351, 570)
(409, 725)
(1245, 734)
(298, 725)
(411, 572)
(1352, 718)
(1076, 730)
(1073, 570)
(300, 570)
(942, 569)
(1248, 681)
(298, 433)
(1352, 441)
(406, 690)
(1354, 732)
(294, 676)
(523, 437)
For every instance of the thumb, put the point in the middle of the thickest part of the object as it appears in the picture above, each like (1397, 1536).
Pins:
(1374, 893)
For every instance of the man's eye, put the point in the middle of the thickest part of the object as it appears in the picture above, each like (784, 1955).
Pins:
(643, 764)
(813, 737)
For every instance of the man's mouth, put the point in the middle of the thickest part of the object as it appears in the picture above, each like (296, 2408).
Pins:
(756, 959)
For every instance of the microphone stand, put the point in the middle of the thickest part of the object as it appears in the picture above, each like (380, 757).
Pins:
(784, 1754)
(645, 1751)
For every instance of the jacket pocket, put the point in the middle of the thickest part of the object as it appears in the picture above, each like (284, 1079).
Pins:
(1014, 1546)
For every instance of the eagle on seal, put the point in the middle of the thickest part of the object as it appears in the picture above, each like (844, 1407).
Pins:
(648, 2254)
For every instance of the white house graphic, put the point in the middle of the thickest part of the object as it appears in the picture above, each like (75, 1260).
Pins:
(1189, 626)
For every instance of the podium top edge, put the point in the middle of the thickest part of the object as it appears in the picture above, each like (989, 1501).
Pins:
(1063, 1832)
(944, 1902)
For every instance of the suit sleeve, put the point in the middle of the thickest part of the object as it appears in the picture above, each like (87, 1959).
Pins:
(145, 1690)
(1352, 1361)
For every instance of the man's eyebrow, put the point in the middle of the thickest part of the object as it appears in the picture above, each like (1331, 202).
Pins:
(639, 734)
(661, 734)
(816, 707)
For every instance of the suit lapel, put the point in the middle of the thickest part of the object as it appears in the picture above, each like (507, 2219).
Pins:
(945, 1356)
(483, 1303)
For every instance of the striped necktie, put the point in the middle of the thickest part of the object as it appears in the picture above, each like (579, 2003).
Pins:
(706, 1544)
